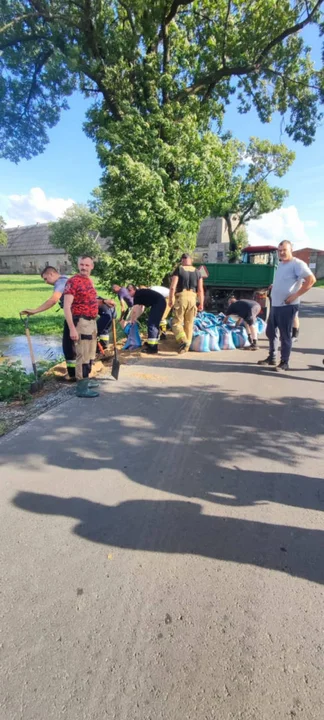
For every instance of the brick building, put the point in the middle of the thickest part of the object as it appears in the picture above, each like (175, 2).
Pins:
(313, 258)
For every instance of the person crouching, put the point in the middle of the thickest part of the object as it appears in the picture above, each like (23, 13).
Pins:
(147, 298)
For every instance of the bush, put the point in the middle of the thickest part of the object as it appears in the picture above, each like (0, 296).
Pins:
(14, 381)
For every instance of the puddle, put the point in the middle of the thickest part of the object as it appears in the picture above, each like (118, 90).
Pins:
(46, 347)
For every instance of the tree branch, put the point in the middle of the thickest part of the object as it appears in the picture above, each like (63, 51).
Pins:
(209, 81)
(41, 61)
(289, 31)
(225, 31)
(174, 9)
(129, 16)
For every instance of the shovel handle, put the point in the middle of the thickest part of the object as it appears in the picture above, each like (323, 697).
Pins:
(114, 333)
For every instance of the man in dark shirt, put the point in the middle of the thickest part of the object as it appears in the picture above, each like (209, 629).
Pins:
(186, 288)
(125, 299)
(81, 310)
(247, 312)
(147, 298)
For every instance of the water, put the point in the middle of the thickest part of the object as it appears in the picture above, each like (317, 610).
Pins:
(46, 347)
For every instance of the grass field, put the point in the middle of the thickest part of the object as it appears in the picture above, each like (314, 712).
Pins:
(319, 283)
(18, 292)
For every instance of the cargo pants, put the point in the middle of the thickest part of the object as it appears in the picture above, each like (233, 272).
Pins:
(184, 313)
(85, 346)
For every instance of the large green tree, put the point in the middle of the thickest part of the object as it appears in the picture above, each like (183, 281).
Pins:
(249, 193)
(160, 74)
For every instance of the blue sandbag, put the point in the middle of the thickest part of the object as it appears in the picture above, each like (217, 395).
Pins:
(133, 337)
(240, 337)
(261, 326)
(200, 342)
(225, 338)
(214, 339)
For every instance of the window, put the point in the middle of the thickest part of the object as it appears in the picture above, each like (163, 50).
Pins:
(220, 255)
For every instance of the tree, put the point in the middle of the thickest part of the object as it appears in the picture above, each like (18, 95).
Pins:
(77, 232)
(249, 194)
(160, 72)
(3, 235)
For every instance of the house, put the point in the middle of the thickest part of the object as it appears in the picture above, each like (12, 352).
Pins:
(213, 240)
(313, 258)
(29, 250)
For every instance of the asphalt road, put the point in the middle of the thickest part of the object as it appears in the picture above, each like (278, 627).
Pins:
(162, 548)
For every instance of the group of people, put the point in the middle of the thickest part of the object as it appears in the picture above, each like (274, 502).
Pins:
(88, 317)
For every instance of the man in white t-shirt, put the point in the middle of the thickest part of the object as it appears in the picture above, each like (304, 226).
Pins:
(293, 278)
(163, 324)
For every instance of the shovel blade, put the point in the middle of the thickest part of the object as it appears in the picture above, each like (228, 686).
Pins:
(115, 368)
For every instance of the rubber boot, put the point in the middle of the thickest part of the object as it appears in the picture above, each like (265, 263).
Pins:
(84, 391)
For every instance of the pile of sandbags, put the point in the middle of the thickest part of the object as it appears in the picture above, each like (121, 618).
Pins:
(210, 333)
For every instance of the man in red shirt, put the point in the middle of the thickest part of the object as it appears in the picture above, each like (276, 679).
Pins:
(81, 310)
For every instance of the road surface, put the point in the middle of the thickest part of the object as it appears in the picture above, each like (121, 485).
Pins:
(162, 548)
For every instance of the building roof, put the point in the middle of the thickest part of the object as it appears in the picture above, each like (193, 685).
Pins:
(310, 250)
(33, 240)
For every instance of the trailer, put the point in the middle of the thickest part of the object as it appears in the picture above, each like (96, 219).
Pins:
(252, 278)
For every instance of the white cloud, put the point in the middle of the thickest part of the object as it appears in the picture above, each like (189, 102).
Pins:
(32, 208)
(283, 224)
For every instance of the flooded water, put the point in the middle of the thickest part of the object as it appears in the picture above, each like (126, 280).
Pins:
(46, 347)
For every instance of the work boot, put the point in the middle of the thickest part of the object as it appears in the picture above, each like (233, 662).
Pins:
(283, 365)
(268, 361)
(84, 391)
(149, 349)
(183, 348)
(252, 346)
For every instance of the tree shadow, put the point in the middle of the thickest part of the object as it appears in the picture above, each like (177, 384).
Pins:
(180, 527)
(181, 440)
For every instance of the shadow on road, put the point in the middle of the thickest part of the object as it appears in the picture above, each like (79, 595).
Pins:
(180, 527)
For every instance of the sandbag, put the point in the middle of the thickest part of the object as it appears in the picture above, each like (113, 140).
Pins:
(240, 337)
(225, 338)
(133, 337)
(261, 326)
(200, 342)
(214, 339)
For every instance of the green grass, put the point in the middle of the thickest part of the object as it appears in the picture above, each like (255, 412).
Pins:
(18, 292)
(319, 283)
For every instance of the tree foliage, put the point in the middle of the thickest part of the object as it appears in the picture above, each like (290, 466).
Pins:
(249, 193)
(160, 74)
(77, 232)
(3, 235)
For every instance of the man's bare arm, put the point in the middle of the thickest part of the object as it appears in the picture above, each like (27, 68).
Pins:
(173, 287)
(68, 300)
(45, 305)
(307, 284)
(200, 294)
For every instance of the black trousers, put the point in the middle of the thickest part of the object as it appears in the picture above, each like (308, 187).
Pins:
(68, 350)
(280, 323)
(154, 319)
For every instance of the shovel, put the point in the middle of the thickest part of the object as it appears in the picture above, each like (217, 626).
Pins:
(36, 384)
(115, 363)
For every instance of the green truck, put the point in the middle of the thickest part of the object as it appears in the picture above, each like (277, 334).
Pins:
(251, 278)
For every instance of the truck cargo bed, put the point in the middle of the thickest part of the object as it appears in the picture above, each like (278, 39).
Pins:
(223, 275)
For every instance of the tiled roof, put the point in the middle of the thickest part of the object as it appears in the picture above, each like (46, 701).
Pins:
(33, 240)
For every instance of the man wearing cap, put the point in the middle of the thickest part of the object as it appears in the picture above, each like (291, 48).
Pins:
(186, 289)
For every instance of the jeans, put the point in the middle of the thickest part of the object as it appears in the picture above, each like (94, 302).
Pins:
(280, 322)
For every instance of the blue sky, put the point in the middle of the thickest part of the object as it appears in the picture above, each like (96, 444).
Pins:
(42, 188)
